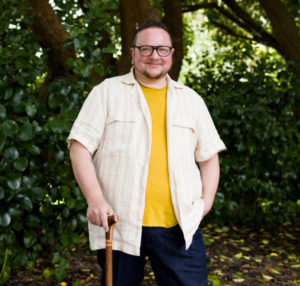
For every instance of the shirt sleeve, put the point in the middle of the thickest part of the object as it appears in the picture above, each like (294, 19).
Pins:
(208, 140)
(89, 125)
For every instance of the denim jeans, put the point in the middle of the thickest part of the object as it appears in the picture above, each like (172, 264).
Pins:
(171, 263)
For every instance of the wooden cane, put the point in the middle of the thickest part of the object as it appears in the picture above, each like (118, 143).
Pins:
(108, 251)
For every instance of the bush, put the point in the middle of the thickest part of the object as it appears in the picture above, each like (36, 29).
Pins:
(251, 102)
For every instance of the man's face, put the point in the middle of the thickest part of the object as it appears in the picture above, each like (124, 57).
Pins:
(152, 67)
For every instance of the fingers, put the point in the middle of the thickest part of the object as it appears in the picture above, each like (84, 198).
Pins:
(97, 214)
(104, 222)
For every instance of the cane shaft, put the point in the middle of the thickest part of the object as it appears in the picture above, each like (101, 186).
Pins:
(108, 251)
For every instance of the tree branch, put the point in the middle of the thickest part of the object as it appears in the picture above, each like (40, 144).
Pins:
(252, 26)
(228, 30)
(284, 28)
(51, 36)
(242, 20)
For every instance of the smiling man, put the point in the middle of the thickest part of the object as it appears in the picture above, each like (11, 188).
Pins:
(145, 147)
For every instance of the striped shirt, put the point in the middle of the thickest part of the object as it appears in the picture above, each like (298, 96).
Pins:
(114, 124)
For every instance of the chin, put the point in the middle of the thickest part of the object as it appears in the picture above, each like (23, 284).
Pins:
(155, 75)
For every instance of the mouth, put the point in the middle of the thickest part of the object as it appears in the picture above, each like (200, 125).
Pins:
(154, 64)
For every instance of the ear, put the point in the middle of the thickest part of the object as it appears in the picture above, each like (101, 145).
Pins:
(172, 51)
(132, 55)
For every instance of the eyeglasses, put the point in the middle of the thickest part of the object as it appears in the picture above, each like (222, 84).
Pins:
(146, 51)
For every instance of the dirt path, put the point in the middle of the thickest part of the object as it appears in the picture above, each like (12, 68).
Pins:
(236, 256)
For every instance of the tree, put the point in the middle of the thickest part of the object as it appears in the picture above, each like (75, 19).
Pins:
(51, 34)
(270, 22)
(50, 57)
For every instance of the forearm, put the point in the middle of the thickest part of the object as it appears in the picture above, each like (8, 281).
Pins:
(85, 173)
(210, 174)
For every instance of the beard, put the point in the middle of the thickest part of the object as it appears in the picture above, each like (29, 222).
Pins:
(147, 74)
(158, 76)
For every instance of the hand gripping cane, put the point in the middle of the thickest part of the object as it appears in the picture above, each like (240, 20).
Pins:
(112, 219)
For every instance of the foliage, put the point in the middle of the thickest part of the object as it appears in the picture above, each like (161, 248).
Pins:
(42, 209)
(251, 99)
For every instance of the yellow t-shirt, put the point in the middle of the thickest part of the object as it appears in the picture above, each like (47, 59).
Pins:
(158, 204)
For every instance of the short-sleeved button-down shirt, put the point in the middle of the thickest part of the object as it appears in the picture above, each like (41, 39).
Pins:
(114, 124)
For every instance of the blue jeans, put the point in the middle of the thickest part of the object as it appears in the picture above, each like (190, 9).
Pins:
(171, 263)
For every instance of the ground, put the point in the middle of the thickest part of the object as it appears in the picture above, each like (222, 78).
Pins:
(236, 256)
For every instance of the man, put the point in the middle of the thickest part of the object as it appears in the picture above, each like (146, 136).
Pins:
(134, 148)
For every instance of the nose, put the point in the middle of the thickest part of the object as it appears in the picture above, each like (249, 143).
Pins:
(155, 54)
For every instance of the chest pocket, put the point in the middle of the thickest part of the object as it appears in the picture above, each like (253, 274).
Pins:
(184, 133)
(120, 132)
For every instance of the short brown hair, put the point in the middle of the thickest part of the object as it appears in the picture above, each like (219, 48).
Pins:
(151, 23)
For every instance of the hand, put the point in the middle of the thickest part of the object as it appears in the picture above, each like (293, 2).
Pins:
(207, 208)
(97, 213)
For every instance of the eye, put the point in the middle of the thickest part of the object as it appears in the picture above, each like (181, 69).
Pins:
(146, 49)
(164, 50)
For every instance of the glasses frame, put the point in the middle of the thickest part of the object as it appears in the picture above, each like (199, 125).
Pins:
(154, 48)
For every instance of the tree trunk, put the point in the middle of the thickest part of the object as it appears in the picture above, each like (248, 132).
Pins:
(51, 35)
(286, 33)
(132, 13)
(173, 20)
(284, 28)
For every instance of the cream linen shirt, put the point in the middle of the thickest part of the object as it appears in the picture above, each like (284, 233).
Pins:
(114, 125)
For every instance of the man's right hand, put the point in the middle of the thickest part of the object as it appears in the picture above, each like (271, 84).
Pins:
(97, 213)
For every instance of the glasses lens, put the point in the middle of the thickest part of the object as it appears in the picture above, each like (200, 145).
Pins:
(163, 51)
(146, 50)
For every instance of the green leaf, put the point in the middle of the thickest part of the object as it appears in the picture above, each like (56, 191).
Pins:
(28, 203)
(76, 238)
(26, 132)
(2, 111)
(239, 255)
(77, 283)
(9, 127)
(47, 273)
(56, 258)
(238, 280)
(33, 149)
(58, 125)
(18, 96)
(2, 193)
(30, 109)
(37, 193)
(32, 221)
(29, 240)
(21, 164)
(75, 31)
(11, 154)
(53, 101)
(15, 211)
(8, 93)
(14, 182)
(27, 182)
(66, 240)
(5, 219)
(60, 274)
(71, 203)
(110, 49)
(80, 43)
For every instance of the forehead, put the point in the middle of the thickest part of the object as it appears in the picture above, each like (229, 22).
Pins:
(154, 37)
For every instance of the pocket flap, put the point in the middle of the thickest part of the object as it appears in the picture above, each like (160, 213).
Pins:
(183, 123)
(121, 116)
